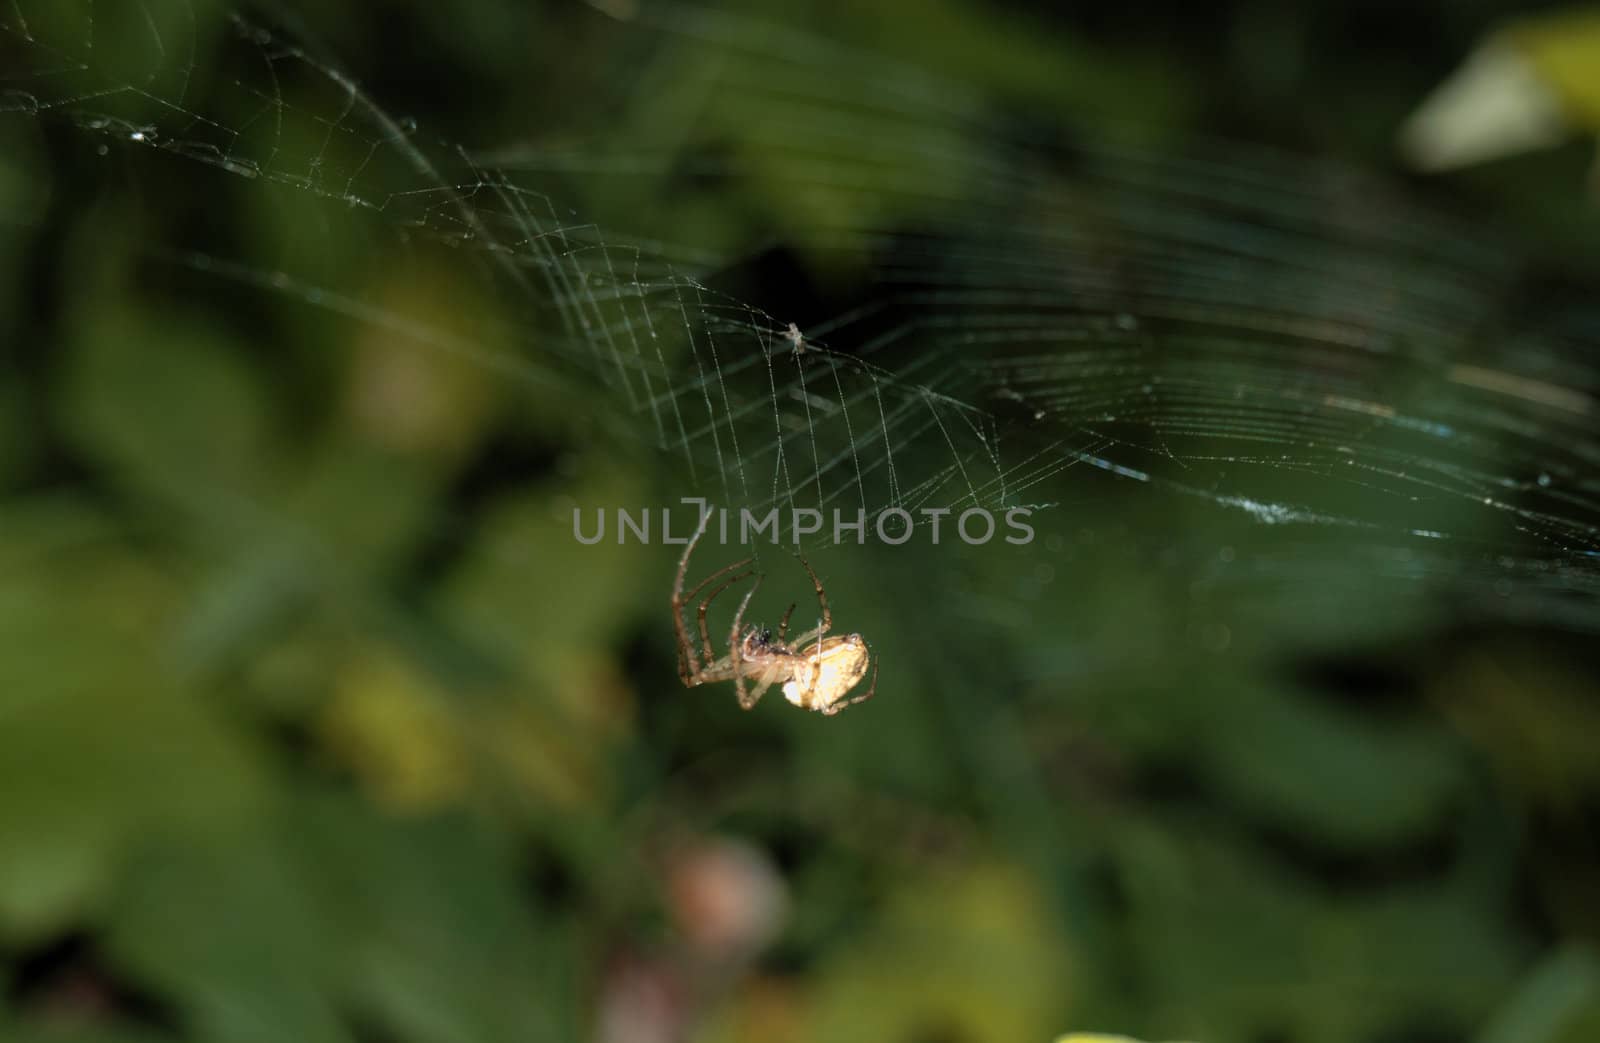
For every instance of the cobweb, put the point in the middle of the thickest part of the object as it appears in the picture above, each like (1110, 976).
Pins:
(1031, 320)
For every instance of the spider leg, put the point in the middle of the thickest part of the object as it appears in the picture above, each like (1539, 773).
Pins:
(822, 599)
(823, 624)
(814, 634)
(747, 700)
(705, 634)
(691, 666)
(871, 691)
(684, 673)
(680, 603)
(688, 598)
(688, 665)
(683, 562)
(783, 625)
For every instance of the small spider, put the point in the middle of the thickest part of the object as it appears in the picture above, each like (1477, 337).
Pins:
(817, 677)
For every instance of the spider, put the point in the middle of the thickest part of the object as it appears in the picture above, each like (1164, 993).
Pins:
(817, 677)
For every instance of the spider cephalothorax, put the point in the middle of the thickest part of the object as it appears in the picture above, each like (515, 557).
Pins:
(817, 672)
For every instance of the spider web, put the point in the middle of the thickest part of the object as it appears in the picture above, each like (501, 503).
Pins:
(1030, 321)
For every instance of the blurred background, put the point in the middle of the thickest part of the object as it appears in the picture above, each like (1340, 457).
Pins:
(320, 320)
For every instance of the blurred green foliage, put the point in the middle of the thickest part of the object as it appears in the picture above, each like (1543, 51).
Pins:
(316, 724)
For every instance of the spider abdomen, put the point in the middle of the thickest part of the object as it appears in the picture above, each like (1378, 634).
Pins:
(824, 672)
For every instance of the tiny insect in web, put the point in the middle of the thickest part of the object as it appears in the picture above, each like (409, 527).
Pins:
(817, 672)
(796, 339)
